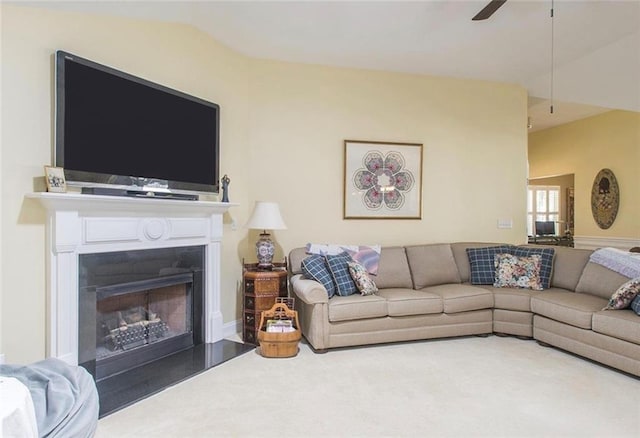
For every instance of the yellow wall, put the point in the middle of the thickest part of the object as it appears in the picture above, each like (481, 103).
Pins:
(472, 133)
(282, 127)
(610, 140)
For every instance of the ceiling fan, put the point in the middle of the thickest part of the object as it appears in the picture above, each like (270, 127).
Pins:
(488, 10)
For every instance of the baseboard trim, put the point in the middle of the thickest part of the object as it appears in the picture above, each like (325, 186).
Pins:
(231, 328)
(593, 242)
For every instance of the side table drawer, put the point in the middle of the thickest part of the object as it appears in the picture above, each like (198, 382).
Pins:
(259, 302)
(266, 286)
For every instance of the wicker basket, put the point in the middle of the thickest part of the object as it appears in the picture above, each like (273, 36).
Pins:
(279, 344)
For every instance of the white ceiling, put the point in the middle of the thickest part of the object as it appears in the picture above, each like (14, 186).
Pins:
(596, 44)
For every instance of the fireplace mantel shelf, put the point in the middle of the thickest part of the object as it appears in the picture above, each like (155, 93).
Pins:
(128, 205)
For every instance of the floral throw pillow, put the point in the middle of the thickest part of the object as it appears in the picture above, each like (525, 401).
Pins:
(521, 272)
(624, 295)
(364, 283)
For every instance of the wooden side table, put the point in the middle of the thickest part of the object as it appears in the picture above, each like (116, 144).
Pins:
(260, 290)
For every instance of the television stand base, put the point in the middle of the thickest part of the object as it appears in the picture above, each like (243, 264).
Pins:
(106, 191)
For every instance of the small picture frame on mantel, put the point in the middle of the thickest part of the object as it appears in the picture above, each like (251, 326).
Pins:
(54, 177)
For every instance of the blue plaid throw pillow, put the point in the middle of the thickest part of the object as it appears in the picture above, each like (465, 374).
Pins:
(481, 263)
(635, 304)
(339, 267)
(315, 268)
(546, 265)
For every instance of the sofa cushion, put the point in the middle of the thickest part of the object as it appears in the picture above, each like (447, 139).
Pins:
(462, 297)
(568, 265)
(403, 302)
(600, 281)
(356, 307)
(622, 324)
(624, 295)
(568, 307)
(393, 269)
(361, 278)
(315, 268)
(339, 268)
(514, 271)
(507, 298)
(432, 265)
(481, 263)
(546, 264)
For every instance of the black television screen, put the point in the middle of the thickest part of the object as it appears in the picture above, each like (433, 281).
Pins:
(545, 228)
(116, 129)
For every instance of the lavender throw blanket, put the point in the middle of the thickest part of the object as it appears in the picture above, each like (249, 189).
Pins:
(622, 262)
(367, 255)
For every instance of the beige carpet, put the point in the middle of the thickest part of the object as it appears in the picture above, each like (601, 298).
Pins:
(452, 387)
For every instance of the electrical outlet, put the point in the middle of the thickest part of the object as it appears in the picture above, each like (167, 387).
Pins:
(234, 225)
(505, 223)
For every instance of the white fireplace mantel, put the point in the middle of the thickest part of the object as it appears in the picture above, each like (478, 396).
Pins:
(85, 224)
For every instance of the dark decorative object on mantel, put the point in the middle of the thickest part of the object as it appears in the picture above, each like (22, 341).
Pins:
(225, 188)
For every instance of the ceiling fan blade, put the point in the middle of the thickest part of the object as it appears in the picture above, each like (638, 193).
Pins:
(488, 10)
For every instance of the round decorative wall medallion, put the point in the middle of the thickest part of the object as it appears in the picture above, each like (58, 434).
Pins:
(605, 198)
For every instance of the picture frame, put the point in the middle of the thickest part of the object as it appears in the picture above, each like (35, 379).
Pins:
(54, 177)
(605, 198)
(382, 180)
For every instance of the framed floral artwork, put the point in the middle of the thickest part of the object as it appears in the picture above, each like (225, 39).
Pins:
(382, 180)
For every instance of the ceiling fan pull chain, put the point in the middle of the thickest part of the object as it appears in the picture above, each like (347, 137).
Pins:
(552, 38)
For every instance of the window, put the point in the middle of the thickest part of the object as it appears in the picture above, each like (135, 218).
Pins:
(543, 204)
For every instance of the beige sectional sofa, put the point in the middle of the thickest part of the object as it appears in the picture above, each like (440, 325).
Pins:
(425, 292)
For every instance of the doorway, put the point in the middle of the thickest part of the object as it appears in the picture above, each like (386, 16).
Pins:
(551, 199)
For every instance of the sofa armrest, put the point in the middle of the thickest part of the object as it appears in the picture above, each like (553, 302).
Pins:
(312, 304)
(309, 291)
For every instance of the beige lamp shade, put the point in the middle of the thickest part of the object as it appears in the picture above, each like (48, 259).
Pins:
(266, 216)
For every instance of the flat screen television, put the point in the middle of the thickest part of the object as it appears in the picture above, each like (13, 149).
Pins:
(116, 130)
(545, 228)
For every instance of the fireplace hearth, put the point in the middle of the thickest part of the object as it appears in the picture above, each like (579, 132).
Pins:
(121, 390)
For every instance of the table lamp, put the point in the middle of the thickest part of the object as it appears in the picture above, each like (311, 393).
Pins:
(265, 216)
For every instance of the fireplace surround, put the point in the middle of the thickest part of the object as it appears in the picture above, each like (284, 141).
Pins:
(138, 306)
(80, 224)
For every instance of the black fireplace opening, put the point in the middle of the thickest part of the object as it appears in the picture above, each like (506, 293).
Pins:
(138, 306)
